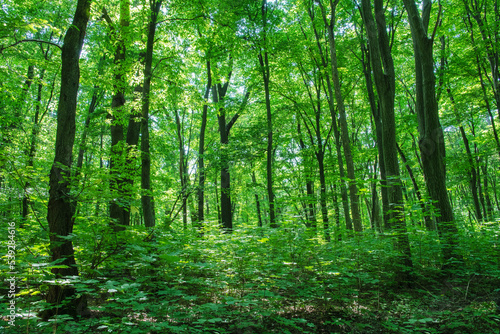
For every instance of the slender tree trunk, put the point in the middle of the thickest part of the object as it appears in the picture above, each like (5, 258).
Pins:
(324, 209)
(182, 168)
(431, 142)
(219, 92)
(310, 196)
(490, 41)
(264, 64)
(384, 76)
(61, 206)
(147, 196)
(428, 221)
(344, 129)
(201, 149)
(257, 201)
(338, 145)
(367, 71)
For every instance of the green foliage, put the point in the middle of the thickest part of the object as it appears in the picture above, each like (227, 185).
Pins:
(263, 281)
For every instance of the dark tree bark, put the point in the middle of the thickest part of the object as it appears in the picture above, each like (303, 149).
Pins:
(431, 141)
(201, 150)
(310, 196)
(264, 64)
(61, 206)
(385, 83)
(257, 201)
(124, 137)
(147, 199)
(480, 69)
(183, 172)
(344, 128)
(218, 94)
(367, 71)
(317, 139)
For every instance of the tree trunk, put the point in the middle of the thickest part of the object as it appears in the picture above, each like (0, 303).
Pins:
(61, 206)
(310, 197)
(431, 141)
(182, 168)
(428, 221)
(147, 196)
(367, 71)
(384, 76)
(338, 145)
(264, 64)
(344, 129)
(201, 150)
(257, 201)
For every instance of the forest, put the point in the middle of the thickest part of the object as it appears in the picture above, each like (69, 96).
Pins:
(250, 166)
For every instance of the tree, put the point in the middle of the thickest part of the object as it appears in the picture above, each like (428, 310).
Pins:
(385, 83)
(201, 148)
(346, 142)
(61, 206)
(266, 77)
(431, 141)
(147, 196)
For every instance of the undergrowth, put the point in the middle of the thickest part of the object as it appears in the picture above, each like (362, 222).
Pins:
(263, 280)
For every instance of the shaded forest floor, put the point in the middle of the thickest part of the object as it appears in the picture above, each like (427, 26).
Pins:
(267, 281)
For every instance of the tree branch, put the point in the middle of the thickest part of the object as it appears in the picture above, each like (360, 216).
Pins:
(29, 40)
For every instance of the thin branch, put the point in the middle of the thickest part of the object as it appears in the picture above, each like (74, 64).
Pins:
(438, 22)
(29, 40)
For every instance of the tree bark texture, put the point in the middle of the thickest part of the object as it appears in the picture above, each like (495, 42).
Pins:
(344, 129)
(431, 141)
(61, 206)
(385, 83)
(147, 199)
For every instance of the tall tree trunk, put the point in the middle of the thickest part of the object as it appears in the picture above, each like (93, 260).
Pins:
(182, 168)
(338, 145)
(264, 64)
(478, 11)
(119, 161)
(61, 206)
(257, 201)
(375, 108)
(219, 92)
(344, 129)
(431, 142)
(34, 131)
(147, 195)
(472, 176)
(385, 83)
(201, 149)
(310, 196)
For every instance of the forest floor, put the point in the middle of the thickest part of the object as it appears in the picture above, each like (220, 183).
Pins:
(272, 281)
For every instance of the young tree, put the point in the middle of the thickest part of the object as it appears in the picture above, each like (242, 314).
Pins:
(266, 77)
